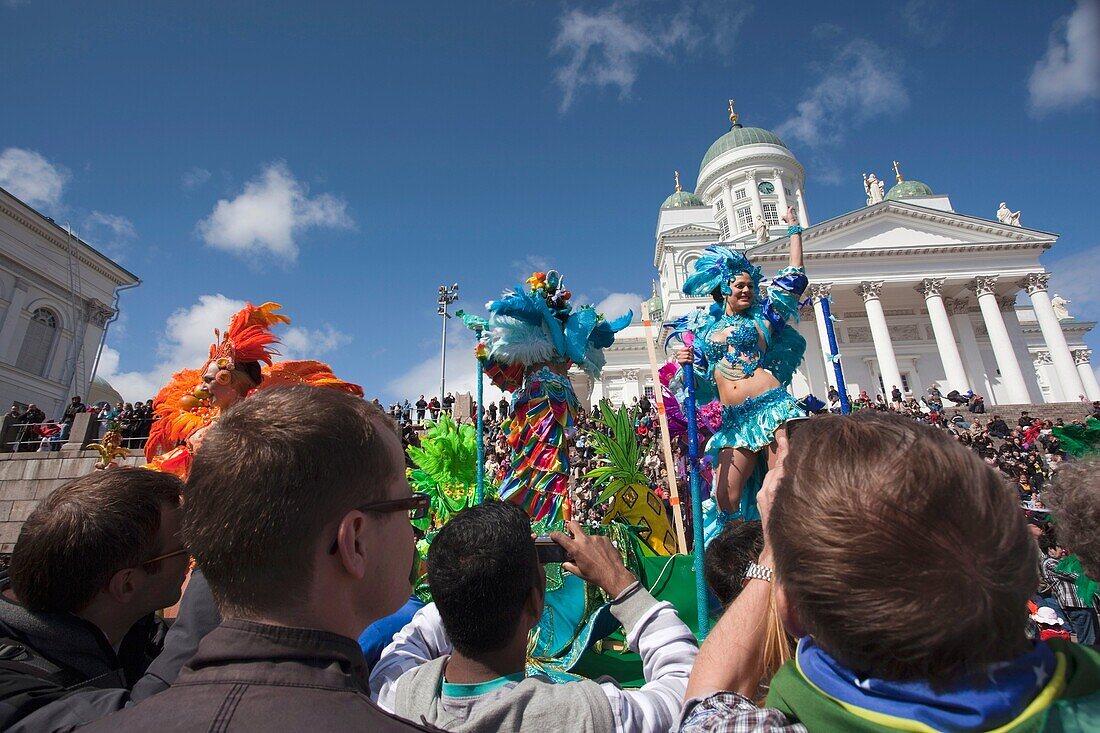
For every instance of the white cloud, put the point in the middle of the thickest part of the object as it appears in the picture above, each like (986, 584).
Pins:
(522, 269)
(266, 216)
(617, 304)
(195, 177)
(1069, 72)
(109, 232)
(311, 343)
(927, 20)
(30, 177)
(605, 48)
(858, 84)
(422, 378)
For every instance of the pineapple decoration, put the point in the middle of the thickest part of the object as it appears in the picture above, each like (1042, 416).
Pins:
(621, 477)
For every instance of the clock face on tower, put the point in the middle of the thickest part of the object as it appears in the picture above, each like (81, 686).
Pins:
(766, 187)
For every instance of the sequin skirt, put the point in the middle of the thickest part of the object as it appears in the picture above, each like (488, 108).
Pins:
(752, 424)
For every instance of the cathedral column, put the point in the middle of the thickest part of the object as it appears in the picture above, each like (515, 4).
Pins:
(803, 217)
(781, 192)
(1045, 366)
(959, 308)
(941, 327)
(819, 292)
(1036, 285)
(757, 209)
(1082, 358)
(816, 377)
(9, 350)
(985, 288)
(1007, 304)
(880, 334)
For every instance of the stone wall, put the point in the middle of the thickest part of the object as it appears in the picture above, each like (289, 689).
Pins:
(28, 478)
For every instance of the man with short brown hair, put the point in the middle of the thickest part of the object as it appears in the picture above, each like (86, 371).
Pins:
(902, 563)
(93, 562)
(298, 515)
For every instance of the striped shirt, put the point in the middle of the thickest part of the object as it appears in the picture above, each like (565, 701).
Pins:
(1062, 584)
(728, 712)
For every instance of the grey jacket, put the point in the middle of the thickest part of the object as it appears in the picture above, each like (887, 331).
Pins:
(58, 708)
(248, 676)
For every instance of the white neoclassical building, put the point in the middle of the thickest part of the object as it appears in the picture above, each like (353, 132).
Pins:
(57, 298)
(919, 293)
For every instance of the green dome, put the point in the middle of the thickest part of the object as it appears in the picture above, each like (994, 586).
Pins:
(738, 137)
(908, 190)
(680, 199)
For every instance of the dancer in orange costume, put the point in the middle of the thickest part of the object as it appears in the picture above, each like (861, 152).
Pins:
(240, 364)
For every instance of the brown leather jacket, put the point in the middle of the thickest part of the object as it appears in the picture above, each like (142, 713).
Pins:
(255, 677)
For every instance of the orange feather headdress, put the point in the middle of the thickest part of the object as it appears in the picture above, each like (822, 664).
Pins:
(248, 338)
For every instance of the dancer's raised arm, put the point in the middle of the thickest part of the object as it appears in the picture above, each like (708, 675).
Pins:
(791, 219)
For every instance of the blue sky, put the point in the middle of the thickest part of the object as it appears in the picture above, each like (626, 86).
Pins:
(345, 159)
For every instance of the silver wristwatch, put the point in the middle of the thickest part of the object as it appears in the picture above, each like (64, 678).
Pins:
(755, 571)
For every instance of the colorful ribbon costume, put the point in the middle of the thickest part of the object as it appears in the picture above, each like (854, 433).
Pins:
(738, 355)
(183, 409)
(531, 338)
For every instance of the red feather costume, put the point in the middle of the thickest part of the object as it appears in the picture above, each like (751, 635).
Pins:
(181, 411)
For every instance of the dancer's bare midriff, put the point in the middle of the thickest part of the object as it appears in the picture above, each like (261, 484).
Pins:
(736, 391)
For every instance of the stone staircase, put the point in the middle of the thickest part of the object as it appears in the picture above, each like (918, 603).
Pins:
(1068, 411)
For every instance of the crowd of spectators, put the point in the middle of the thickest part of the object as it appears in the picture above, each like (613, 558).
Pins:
(29, 429)
(894, 562)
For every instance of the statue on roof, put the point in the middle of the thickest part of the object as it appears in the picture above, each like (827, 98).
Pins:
(874, 188)
(1005, 216)
(761, 229)
(1058, 303)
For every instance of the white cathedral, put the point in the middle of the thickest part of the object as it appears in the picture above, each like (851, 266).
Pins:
(919, 293)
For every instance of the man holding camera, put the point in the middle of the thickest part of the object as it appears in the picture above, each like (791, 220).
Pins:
(459, 664)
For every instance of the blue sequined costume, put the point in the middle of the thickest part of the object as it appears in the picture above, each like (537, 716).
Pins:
(751, 424)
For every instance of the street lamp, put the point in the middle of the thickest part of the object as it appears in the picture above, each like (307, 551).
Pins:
(447, 295)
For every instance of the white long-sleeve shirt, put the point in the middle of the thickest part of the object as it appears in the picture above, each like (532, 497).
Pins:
(653, 630)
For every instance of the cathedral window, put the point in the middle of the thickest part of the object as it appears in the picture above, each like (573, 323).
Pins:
(719, 206)
(744, 219)
(38, 342)
(740, 194)
(724, 226)
(771, 215)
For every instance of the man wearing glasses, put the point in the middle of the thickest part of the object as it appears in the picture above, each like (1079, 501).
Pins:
(297, 513)
(93, 562)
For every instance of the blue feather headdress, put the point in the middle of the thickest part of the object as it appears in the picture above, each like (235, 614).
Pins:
(715, 270)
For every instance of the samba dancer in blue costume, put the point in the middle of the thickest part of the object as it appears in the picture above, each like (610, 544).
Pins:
(744, 355)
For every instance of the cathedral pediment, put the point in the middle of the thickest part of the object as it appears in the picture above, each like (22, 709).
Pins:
(690, 231)
(901, 228)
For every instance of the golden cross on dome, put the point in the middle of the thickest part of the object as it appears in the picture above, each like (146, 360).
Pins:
(897, 172)
(676, 175)
(733, 115)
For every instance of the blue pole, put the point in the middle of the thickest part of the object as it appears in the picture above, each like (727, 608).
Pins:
(845, 408)
(480, 496)
(696, 499)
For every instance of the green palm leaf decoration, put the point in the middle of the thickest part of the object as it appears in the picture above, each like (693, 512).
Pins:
(446, 469)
